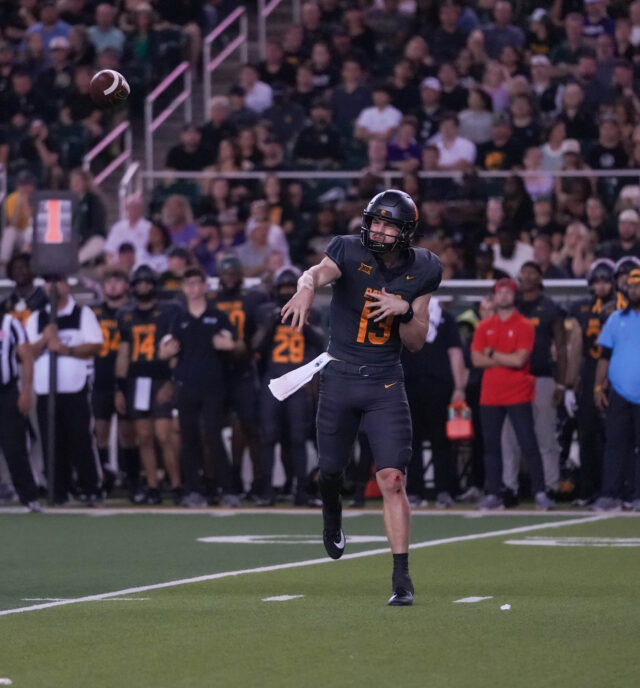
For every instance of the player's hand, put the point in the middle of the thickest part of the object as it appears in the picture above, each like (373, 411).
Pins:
(25, 401)
(223, 341)
(165, 393)
(570, 402)
(169, 347)
(120, 403)
(297, 308)
(600, 399)
(55, 346)
(383, 305)
(558, 396)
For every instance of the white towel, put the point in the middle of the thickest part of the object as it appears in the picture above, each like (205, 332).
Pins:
(435, 318)
(285, 385)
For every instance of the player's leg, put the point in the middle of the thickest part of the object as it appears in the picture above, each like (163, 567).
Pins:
(189, 409)
(271, 411)
(144, 437)
(298, 411)
(163, 431)
(387, 424)
(128, 455)
(337, 426)
(213, 413)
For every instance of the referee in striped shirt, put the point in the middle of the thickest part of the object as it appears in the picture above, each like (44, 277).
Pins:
(15, 404)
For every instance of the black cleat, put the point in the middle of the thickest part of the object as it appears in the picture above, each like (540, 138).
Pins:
(402, 593)
(334, 541)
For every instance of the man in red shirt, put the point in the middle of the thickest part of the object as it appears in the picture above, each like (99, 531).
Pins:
(502, 345)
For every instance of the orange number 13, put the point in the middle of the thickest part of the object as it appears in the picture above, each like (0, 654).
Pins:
(373, 337)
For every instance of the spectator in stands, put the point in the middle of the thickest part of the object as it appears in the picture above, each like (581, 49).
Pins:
(325, 75)
(453, 96)
(126, 258)
(507, 391)
(406, 95)
(502, 32)
(564, 56)
(500, 153)
(430, 110)
(376, 157)
(456, 152)
(274, 69)
(312, 27)
(177, 217)
(189, 154)
(361, 35)
(542, 252)
(33, 58)
(545, 90)
(540, 184)
(41, 152)
(576, 253)
(57, 79)
(404, 152)
(17, 226)
(628, 241)
(608, 153)
(104, 33)
(23, 103)
(493, 83)
(390, 26)
(272, 155)
(572, 192)
(91, 217)
(78, 106)
(305, 92)
(82, 50)
(239, 114)
(509, 253)
(318, 145)
(586, 76)
(228, 159)
(518, 208)
(552, 148)
(598, 221)
(258, 95)
(209, 245)
(541, 34)
(476, 121)
(155, 252)
(605, 57)
(292, 45)
(188, 17)
(77, 12)
(446, 41)
(255, 253)
(134, 229)
(483, 265)
(526, 132)
(218, 127)
(619, 365)
(544, 223)
(417, 52)
(381, 120)
(286, 118)
(50, 26)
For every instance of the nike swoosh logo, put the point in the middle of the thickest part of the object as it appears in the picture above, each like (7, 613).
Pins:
(410, 277)
(341, 541)
(391, 385)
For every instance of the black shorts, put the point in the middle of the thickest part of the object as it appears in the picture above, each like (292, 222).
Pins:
(364, 398)
(103, 403)
(156, 410)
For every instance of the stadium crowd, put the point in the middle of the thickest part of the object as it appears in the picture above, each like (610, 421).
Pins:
(427, 96)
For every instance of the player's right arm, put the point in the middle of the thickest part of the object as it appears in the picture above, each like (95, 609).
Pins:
(298, 307)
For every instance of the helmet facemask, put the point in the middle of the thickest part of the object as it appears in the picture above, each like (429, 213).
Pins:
(401, 243)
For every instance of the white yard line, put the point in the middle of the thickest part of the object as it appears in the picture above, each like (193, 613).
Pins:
(300, 564)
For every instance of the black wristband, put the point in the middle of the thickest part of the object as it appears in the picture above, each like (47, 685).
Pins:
(408, 316)
(121, 384)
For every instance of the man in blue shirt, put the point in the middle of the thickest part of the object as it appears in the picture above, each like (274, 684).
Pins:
(620, 363)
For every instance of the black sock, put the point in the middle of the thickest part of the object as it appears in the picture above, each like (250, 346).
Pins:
(104, 458)
(400, 565)
(129, 459)
(330, 487)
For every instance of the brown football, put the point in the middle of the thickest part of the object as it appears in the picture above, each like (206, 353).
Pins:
(108, 88)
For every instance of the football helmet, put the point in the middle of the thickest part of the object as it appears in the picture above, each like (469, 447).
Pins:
(393, 206)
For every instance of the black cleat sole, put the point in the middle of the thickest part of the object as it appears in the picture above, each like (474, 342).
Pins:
(333, 548)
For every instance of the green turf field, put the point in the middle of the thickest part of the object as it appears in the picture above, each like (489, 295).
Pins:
(175, 600)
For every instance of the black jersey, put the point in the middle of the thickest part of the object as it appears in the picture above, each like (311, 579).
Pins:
(21, 308)
(199, 363)
(541, 313)
(591, 315)
(105, 361)
(143, 330)
(354, 338)
(241, 306)
(284, 348)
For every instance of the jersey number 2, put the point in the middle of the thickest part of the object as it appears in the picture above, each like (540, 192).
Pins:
(288, 346)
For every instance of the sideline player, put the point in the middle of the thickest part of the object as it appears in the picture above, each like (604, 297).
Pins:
(381, 293)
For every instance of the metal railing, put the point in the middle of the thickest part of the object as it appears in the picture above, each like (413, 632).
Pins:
(152, 124)
(123, 129)
(241, 41)
(131, 183)
(264, 10)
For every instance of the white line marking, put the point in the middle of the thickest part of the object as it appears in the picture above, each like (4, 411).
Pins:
(300, 564)
(505, 607)
(472, 599)
(61, 599)
(281, 598)
(284, 539)
(6, 682)
(576, 542)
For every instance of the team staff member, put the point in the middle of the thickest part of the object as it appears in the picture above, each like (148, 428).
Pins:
(143, 381)
(241, 305)
(591, 315)
(115, 287)
(502, 345)
(282, 349)
(15, 404)
(619, 363)
(76, 339)
(201, 337)
(25, 297)
(381, 292)
(547, 319)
